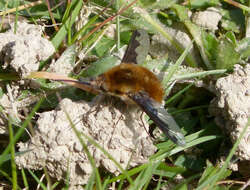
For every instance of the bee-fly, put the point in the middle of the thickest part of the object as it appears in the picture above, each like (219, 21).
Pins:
(131, 82)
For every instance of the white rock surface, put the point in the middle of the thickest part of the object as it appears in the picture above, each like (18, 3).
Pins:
(24, 49)
(21, 51)
(208, 19)
(56, 147)
(232, 107)
(65, 64)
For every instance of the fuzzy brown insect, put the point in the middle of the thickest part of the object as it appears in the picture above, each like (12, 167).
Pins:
(131, 82)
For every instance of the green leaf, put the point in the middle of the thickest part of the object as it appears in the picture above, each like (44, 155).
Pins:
(186, 121)
(226, 55)
(168, 171)
(221, 53)
(194, 163)
(211, 44)
(210, 171)
(232, 20)
(203, 3)
(243, 48)
(159, 4)
(99, 67)
(231, 37)
(147, 2)
(43, 186)
(103, 46)
(194, 30)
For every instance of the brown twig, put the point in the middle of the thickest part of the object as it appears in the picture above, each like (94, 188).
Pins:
(51, 16)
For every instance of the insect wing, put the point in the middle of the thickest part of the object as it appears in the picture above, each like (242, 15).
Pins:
(137, 49)
(160, 116)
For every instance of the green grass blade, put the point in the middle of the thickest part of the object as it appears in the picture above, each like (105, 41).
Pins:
(129, 173)
(25, 181)
(67, 183)
(144, 176)
(84, 28)
(198, 74)
(61, 34)
(67, 11)
(118, 39)
(186, 181)
(169, 100)
(110, 157)
(90, 158)
(16, 17)
(192, 140)
(158, 187)
(189, 109)
(13, 164)
(91, 182)
(3, 173)
(175, 67)
(90, 140)
(55, 185)
(8, 156)
(37, 180)
(210, 183)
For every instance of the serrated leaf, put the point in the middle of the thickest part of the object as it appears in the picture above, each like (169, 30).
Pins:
(226, 55)
(231, 36)
(211, 45)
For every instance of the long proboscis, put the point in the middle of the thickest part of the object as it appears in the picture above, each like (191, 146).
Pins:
(84, 85)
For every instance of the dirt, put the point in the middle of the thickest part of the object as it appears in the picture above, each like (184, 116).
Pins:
(56, 146)
(231, 107)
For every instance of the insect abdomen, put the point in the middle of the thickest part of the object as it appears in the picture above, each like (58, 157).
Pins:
(126, 78)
